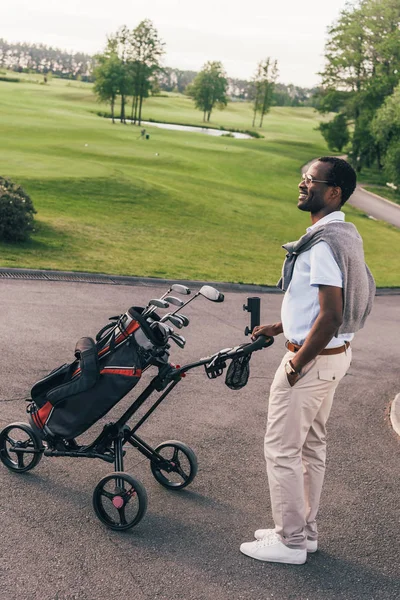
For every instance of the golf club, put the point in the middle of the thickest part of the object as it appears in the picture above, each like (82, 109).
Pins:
(178, 339)
(175, 287)
(174, 300)
(208, 292)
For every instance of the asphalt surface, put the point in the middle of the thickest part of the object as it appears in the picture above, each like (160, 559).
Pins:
(187, 546)
(376, 207)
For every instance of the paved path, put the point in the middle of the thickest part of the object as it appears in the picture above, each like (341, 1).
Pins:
(376, 207)
(187, 546)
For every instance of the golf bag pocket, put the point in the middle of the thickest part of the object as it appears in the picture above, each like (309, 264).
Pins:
(73, 397)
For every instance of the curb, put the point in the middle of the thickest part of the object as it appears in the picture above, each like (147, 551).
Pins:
(77, 276)
(395, 414)
(81, 277)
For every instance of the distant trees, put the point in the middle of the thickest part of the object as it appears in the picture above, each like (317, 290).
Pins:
(362, 69)
(40, 58)
(209, 88)
(128, 67)
(263, 88)
(174, 80)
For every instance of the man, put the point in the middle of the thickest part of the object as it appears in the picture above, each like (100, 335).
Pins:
(329, 294)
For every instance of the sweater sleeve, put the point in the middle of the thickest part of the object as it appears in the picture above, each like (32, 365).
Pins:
(324, 269)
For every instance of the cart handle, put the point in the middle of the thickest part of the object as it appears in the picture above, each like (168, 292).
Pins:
(262, 341)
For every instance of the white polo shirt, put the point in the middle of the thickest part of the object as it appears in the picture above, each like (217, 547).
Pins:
(300, 306)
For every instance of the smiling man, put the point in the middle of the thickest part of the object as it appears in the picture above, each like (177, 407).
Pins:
(329, 292)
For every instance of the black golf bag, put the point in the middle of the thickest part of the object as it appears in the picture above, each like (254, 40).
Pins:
(74, 396)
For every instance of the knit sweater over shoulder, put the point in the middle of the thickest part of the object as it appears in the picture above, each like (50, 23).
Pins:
(347, 248)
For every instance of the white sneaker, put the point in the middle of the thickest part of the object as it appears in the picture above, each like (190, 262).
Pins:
(312, 545)
(270, 548)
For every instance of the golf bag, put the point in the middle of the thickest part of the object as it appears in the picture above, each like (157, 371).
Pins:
(74, 396)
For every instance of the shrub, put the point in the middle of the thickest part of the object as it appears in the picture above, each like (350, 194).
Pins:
(16, 212)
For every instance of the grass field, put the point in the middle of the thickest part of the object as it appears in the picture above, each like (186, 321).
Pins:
(178, 205)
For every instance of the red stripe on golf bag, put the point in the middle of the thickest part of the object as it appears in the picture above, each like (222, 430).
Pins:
(41, 416)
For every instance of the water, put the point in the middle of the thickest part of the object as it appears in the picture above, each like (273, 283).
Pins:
(214, 132)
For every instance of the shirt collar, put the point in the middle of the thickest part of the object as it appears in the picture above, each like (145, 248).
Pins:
(337, 215)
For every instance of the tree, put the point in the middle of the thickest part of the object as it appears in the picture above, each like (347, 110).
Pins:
(145, 52)
(263, 88)
(362, 69)
(269, 74)
(118, 46)
(256, 92)
(386, 131)
(209, 88)
(336, 132)
(128, 67)
(107, 79)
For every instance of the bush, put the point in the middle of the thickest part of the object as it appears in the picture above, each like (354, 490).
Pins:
(16, 212)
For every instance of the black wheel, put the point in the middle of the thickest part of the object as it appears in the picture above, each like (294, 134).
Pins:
(20, 448)
(119, 501)
(178, 465)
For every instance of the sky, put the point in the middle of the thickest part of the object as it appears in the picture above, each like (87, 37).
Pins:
(239, 33)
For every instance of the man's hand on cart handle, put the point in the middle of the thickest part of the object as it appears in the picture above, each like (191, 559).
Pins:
(267, 330)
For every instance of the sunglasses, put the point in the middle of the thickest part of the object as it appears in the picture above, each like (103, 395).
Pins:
(310, 179)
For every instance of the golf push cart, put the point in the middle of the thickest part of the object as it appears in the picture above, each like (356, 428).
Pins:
(70, 399)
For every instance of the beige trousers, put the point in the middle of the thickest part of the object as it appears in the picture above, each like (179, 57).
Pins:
(295, 444)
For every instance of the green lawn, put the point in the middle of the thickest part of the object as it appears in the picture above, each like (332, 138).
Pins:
(178, 205)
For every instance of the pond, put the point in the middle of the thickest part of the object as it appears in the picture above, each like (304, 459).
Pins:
(205, 130)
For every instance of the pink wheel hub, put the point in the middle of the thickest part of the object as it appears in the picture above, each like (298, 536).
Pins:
(118, 502)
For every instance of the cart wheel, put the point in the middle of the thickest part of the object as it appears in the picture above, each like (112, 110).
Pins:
(119, 501)
(20, 448)
(178, 467)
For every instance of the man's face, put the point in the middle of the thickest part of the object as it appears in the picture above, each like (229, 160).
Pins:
(316, 196)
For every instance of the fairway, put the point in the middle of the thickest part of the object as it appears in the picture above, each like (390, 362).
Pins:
(178, 205)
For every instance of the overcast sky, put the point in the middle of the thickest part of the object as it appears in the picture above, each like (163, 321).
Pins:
(239, 33)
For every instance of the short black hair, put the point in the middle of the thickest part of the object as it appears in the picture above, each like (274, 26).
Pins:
(342, 175)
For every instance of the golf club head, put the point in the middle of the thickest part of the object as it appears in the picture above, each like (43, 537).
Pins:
(184, 319)
(176, 321)
(158, 303)
(178, 339)
(181, 289)
(174, 300)
(211, 293)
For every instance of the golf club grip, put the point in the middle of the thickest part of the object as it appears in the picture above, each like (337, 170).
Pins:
(262, 341)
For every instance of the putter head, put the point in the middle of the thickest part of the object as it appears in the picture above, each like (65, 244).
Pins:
(180, 289)
(211, 293)
(173, 300)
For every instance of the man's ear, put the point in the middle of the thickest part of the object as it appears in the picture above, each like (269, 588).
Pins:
(336, 195)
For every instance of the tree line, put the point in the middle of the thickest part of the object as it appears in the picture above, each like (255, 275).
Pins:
(361, 83)
(39, 58)
(42, 59)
